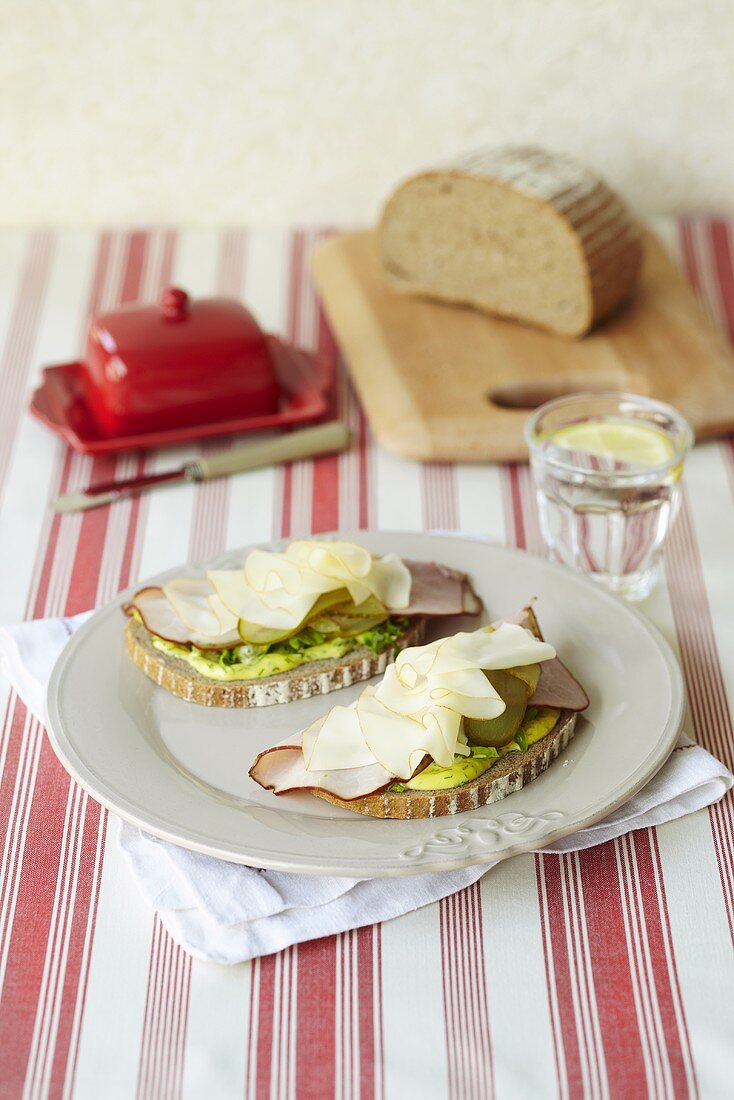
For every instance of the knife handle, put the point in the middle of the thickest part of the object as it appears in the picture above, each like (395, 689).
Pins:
(320, 439)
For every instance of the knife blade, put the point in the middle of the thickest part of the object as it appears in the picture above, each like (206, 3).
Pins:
(320, 439)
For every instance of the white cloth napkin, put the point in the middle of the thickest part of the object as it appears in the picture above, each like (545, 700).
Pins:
(227, 913)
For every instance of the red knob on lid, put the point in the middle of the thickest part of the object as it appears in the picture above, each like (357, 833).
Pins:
(174, 303)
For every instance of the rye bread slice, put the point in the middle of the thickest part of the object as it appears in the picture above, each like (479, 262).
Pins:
(509, 774)
(316, 678)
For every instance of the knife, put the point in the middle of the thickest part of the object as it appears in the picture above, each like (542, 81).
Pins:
(321, 439)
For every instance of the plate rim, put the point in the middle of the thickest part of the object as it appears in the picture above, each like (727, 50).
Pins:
(77, 768)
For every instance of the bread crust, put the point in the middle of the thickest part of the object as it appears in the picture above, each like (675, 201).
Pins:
(509, 774)
(606, 237)
(316, 678)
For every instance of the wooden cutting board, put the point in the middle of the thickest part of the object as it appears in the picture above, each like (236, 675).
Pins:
(447, 383)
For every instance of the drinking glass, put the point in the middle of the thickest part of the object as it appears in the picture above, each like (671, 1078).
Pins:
(607, 470)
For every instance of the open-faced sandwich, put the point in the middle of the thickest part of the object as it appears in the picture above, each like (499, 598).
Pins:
(453, 725)
(309, 620)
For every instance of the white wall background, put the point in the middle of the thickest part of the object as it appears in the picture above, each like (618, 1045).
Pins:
(232, 111)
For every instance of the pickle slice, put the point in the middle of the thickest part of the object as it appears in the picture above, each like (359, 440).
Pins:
(348, 619)
(335, 627)
(529, 673)
(496, 732)
(256, 634)
(356, 618)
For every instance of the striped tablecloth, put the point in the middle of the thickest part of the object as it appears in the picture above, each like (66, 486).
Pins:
(603, 973)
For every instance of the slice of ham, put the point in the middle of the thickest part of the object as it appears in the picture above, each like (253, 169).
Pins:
(158, 615)
(282, 769)
(439, 590)
(159, 618)
(557, 687)
(472, 603)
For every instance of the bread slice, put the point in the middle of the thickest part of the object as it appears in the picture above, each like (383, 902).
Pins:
(519, 232)
(316, 678)
(509, 774)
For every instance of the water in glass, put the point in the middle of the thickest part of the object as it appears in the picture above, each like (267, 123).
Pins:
(608, 490)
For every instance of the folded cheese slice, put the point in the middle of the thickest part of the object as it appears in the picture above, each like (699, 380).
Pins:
(279, 590)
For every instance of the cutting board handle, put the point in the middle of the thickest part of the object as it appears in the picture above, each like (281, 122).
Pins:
(527, 394)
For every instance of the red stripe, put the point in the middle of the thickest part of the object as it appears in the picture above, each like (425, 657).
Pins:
(137, 244)
(212, 498)
(366, 966)
(315, 1070)
(380, 1068)
(326, 469)
(367, 479)
(688, 254)
(719, 240)
(264, 974)
(513, 506)
(325, 490)
(284, 490)
(251, 1043)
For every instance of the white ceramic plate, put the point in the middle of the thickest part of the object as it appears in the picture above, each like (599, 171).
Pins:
(179, 770)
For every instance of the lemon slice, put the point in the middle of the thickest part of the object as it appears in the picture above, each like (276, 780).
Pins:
(622, 441)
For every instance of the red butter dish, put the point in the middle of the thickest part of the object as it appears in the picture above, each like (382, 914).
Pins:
(154, 376)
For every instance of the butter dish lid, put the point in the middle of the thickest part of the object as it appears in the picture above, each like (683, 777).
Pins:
(180, 362)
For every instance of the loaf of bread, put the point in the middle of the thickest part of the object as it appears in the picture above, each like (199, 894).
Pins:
(522, 233)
